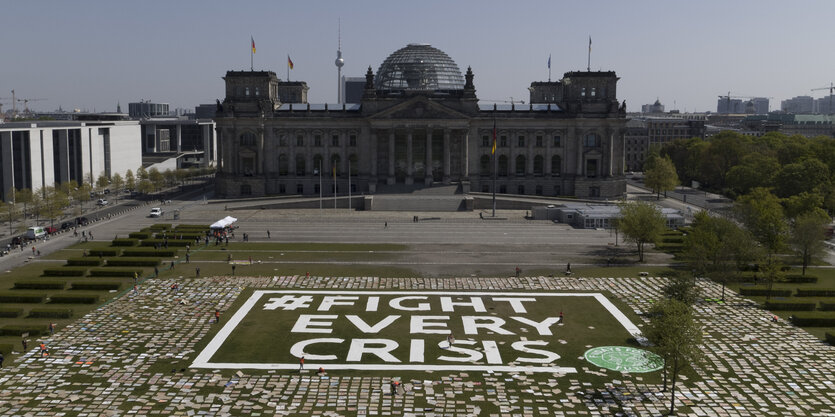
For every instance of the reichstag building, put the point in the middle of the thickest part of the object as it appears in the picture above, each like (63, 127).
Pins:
(419, 124)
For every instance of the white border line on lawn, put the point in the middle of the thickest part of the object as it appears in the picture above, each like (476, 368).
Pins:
(202, 360)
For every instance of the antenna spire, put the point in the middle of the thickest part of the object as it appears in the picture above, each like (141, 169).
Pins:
(339, 63)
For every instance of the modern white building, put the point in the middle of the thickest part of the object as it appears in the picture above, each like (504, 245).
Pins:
(38, 154)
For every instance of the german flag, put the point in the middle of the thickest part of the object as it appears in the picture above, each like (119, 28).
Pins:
(493, 152)
(253, 43)
(289, 62)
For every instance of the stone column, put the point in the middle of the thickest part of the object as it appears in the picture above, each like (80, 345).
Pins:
(409, 160)
(578, 140)
(466, 156)
(530, 141)
(446, 156)
(390, 179)
(373, 157)
(428, 169)
(609, 158)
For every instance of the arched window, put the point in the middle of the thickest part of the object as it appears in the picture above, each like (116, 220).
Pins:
(300, 165)
(317, 164)
(502, 166)
(538, 165)
(556, 165)
(335, 164)
(484, 165)
(592, 140)
(283, 165)
(520, 165)
(247, 139)
(355, 166)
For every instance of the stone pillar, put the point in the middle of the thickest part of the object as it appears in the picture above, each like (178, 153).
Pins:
(390, 179)
(373, 156)
(609, 158)
(466, 156)
(409, 160)
(446, 156)
(179, 137)
(530, 141)
(428, 178)
(578, 140)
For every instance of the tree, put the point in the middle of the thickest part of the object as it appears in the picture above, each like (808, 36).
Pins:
(54, 202)
(676, 337)
(170, 177)
(117, 182)
(141, 174)
(717, 248)
(130, 181)
(641, 223)
(804, 202)
(762, 214)
(682, 287)
(9, 214)
(156, 178)
(82, 194)
(806, 175)
(145, 186)
(660, 175)
(807, 235)
(24, 196)
(102, 181)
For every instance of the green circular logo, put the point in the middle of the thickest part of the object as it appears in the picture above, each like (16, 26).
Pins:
(624, 359)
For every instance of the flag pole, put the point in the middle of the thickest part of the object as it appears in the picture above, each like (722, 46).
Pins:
(349, 184)
(334, 184)
(495, 166)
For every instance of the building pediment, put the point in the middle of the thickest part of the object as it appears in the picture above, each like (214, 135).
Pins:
(418, 108)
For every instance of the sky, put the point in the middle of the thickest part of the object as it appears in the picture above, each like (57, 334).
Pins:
(91, 55)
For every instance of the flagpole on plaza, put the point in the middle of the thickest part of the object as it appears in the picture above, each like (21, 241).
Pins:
(251, 53)
(320, 181)
(549, 68)
(495, 166)
(349, 184)
(334, 185)
(588, 67)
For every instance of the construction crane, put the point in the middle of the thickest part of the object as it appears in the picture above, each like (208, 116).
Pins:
(831, 89)
(26, 101)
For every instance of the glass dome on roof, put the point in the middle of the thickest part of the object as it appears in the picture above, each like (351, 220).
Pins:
(419, 67)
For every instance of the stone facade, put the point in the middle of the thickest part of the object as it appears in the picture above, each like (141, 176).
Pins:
(572, 145)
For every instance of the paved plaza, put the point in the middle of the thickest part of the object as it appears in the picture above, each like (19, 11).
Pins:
(131, 357)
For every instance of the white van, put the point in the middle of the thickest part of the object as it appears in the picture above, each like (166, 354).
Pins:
(35, 232)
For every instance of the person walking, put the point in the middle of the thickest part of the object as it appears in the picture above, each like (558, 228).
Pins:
(1, 361)
(518, 271)
(217, 316)
(562, 318)
(233, 269)
(188, 258)
(51, 328)
(197, 272)
(268, 234)
(43, 348)
(301, 364)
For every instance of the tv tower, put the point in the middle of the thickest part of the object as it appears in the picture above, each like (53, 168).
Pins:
(339, 63)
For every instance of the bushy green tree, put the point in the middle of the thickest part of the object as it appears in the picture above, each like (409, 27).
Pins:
(660, 175)
(762, 214)
(807, 235)
(641, 223)
(676, 337)
(130, 180)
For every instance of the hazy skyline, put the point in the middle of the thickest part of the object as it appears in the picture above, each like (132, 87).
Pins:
(93, 54)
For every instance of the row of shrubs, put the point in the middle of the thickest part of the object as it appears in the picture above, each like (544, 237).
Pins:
(36, 298)
(813, 320)
(59, 285)
(71, 271)
(20, 329)
(830, 337)
(762, 292)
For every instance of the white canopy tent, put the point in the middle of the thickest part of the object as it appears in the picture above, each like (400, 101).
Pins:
(223, 223)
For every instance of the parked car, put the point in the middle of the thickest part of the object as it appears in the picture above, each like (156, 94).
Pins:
(67, 225)
(81, 221)
(156, 212)
(50, 230)
(18, 240)
(35, 232)
(102, 202)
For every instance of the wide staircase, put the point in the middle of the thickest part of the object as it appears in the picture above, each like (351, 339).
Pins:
(402, 197)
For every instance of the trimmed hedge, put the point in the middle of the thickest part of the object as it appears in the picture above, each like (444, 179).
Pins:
(778, 306)
(160, 226)
(89, 261)
(65, 272)
(139, 235)
(6, 348)
(96, 286)
(10, 313)
(18, 330)
(125, 242)
(14, 297)
(39, 285)
(813, 320)
(133, 261)
(815, 293)
(800, 279)
(763, 292)
(49, 313)
(143, 252)
(105, 252)
(74, 299)
(830, 337)
(201, 227)
(827, 306)
(113, 272)
(171, 242)
(179, 236)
